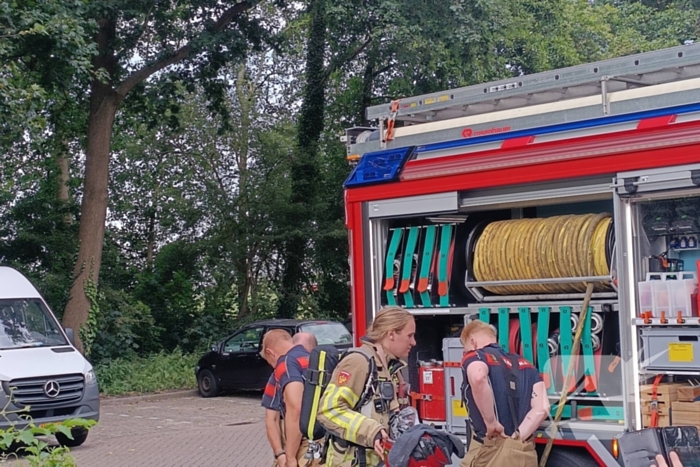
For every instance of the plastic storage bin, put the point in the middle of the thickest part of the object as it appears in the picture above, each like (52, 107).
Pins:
(662, 297)
(668, 292)
(681, 291)
(646, 297)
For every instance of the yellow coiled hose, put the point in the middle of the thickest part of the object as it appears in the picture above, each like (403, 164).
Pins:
(559, 246)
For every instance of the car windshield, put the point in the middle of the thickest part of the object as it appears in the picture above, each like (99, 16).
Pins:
(328, 333)
(27, 323)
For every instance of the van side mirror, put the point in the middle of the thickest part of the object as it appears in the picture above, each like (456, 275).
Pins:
(71, 335)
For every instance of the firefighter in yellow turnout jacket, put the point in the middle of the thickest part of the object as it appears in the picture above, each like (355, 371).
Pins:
(353, 427)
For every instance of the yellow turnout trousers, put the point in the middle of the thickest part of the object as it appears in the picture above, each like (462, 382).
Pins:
(500, 452)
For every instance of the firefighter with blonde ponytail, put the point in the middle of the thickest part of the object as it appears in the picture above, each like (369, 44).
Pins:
(364, 391)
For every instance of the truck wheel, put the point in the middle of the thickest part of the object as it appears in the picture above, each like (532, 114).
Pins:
(79, 437)
(206, 382)
(570, 457)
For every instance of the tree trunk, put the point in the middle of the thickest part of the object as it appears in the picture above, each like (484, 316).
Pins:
(104, 102)
(151, 239)
(244, 309)
(366, 97)
(63, 162)
(245, 93)
(305, 165)
(93, 213)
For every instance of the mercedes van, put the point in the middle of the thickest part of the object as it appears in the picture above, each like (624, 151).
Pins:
(43, 377)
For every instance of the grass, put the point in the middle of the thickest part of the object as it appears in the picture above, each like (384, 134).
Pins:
(141, 375)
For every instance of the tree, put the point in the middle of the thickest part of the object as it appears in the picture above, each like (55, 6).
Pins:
(305, 164)
(137, 41)
(44, 49)
(195, 202)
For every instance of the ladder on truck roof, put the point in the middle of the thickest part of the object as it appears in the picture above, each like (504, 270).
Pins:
(576, 93)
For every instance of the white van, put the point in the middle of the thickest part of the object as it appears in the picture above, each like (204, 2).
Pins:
(39, 366)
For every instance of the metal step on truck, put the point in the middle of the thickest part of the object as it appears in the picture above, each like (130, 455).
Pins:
(503, 201)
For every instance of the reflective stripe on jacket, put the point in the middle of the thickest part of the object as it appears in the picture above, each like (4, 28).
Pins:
(337, 411)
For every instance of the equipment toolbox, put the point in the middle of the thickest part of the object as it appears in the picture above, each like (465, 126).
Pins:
(670, 348)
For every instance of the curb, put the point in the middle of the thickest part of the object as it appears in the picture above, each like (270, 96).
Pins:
(151, 397)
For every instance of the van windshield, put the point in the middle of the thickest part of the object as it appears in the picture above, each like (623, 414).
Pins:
(27, 323)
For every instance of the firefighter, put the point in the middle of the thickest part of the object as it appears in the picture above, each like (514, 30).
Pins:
(363, 392)
(506, 401)
(282, 397)
(306, 340)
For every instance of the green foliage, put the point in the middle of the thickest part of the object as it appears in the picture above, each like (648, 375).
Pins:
(28, 439)
(126, 327)
(138, 375)
(169, 291)
(34, 235)
(88, 332)
(45, 47)
(35, 451)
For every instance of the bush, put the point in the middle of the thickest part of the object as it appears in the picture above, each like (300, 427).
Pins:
(27, 442)
(125, 327)
(138, 375)
(34, 450)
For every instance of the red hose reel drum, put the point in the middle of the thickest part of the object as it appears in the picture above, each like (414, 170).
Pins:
(431, 377)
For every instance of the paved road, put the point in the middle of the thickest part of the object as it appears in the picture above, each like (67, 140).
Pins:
(182, 431)
(178, 432)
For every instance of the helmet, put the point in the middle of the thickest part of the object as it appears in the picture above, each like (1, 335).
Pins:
(429, 453)
(424, 446)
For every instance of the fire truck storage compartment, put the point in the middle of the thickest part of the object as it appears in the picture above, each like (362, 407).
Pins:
(430, 330)
(667, 258)
(430, 263)
(668, 253)
(536, 257)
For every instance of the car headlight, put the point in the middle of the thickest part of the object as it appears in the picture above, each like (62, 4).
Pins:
(90, 377)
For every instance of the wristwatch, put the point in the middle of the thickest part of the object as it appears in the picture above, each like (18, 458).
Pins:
(281, 453)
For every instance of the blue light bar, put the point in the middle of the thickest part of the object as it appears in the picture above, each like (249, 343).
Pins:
(379, 167)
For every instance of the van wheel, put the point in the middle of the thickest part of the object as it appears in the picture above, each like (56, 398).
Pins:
(206, 382)
(569, 457)
(79, 437)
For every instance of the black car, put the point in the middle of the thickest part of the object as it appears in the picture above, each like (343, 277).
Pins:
(235, 363)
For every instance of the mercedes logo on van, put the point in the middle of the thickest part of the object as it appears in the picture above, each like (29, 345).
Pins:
(52, 388)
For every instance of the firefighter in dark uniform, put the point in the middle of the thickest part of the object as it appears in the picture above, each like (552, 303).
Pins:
(283, 395)
(506, 401)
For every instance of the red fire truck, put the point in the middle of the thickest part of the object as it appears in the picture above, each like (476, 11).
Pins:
(504, 201)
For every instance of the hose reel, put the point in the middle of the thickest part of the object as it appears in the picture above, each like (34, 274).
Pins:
(566, 247)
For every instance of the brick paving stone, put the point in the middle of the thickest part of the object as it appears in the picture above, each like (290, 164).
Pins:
(226, 431)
